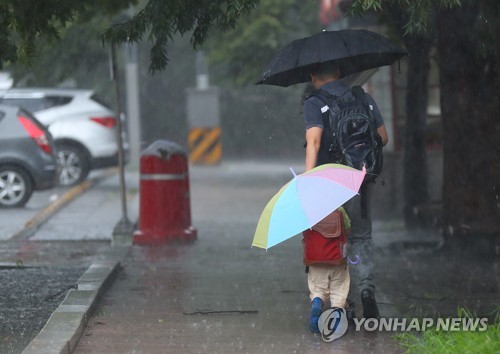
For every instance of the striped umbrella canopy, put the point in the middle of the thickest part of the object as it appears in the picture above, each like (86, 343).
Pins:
(306, 200)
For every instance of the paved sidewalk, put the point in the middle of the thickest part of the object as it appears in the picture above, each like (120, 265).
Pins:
(166, 299)
(219, 295)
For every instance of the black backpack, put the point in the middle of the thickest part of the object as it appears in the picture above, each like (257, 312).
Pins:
(351, 133)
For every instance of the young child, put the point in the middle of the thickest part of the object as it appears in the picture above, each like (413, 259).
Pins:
(325, 255)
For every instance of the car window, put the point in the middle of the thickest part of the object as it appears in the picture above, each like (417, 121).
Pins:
(35, 104)
(31, 104)
(99, 100)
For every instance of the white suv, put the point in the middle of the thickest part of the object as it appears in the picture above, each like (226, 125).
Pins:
(83, 127)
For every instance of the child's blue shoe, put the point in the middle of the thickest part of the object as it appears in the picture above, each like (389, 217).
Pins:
(317, 307)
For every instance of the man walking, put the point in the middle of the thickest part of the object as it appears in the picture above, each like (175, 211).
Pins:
(326, 77)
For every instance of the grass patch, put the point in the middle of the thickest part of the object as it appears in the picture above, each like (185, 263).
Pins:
(455, 342)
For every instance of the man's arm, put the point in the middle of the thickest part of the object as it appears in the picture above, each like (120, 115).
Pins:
(313, 141)
(383, 134)
(378, 119)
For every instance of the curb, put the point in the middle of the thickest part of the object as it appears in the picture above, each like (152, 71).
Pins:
(65, 326)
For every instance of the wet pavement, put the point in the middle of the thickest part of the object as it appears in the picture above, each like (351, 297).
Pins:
(215, 296)
(14, 220)
(35, 277)
(219, 295)
(38, 268)
(28, 296)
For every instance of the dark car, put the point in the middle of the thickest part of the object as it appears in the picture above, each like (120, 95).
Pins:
(27, 157)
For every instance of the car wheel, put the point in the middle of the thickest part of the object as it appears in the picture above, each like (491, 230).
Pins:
(74, 164)
(16, 186)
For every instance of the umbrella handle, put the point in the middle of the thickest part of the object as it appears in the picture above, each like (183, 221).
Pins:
(354, 262)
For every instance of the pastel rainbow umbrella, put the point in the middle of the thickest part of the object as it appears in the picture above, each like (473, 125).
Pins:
(306, 200)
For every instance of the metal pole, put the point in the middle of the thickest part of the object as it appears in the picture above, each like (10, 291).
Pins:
(124, 227)
(133, 105)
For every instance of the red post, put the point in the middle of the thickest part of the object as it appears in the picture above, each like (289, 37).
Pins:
(164, 205)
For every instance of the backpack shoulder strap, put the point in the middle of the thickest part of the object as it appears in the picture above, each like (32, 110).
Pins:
(358, 92)
(324, 96)
(360, 95)
(327, 99)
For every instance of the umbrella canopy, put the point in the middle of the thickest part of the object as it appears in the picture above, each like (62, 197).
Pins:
(352, 50)
(306, 200)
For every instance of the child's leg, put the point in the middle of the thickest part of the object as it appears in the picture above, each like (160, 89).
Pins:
(318, 282)
(340, 281)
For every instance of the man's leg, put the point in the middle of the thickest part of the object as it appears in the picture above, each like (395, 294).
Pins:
(361, 244)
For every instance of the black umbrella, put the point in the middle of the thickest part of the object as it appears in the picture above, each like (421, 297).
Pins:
(352, 50)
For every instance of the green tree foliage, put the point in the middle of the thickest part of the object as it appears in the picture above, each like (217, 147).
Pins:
(78, 55)
(242, 54)
(77, 59)
(160, 20)
(45, 43)
(24, 23)
(420, 12)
